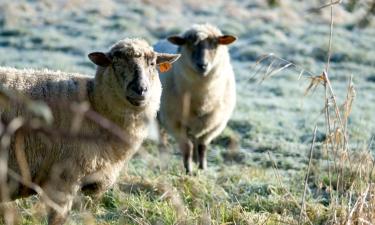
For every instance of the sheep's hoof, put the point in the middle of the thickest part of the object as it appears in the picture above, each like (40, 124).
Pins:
(55, 218)
(202, 167)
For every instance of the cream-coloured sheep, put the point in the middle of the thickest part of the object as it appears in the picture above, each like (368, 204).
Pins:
(199, 92)
(126, 90)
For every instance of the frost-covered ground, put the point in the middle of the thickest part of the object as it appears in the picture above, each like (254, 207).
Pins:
(273, 121)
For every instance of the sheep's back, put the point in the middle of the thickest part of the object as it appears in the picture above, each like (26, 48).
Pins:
(45, 84)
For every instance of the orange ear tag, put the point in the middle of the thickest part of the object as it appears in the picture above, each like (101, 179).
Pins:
(164, 67)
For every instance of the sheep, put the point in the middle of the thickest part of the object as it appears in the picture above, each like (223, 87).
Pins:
(125, 90)
(199, 92)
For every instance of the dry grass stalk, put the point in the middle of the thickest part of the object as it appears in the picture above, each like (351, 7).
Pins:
(272, 70)
(347, 169)
(347, 165)
(303, 209)
(281, 183)
(161, 188)
(314, 83)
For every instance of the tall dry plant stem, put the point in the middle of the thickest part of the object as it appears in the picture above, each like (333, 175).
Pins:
(303, 208)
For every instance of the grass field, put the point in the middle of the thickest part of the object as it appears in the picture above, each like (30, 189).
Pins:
(257, 167)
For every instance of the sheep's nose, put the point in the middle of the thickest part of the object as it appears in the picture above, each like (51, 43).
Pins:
(140, 90)
(202, 66)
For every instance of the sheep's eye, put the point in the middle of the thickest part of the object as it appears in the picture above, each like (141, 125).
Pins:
(151, 62)
(117, 54)
(137, 54)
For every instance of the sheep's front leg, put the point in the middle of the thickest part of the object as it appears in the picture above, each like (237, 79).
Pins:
(59, 217)
(60, 199)
(59, 192)
(186, 147)
(202, 155)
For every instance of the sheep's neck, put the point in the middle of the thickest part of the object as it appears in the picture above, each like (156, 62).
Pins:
(112, 107)
(130, 122)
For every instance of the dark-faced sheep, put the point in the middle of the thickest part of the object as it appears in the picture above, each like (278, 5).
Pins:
(199, 92)
(125, 90)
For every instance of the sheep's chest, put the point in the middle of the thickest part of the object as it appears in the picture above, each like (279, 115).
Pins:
(203, 116)
(103, 169)
(100, 180)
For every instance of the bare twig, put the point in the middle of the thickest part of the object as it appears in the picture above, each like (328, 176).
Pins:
(107, 124)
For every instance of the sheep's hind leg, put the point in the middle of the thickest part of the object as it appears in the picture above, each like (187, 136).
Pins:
(202, 154)
(195, 152)
(186, 147)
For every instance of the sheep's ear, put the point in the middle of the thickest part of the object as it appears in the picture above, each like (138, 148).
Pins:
(226, 39)
(177, 40)
(100, 59)
(165, 60)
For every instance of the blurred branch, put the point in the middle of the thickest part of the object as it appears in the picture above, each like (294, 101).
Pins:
(36, 188)
(317, 9)
(5, 141)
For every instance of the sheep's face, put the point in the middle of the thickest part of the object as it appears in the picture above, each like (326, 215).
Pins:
(199, 49)
(134, 70)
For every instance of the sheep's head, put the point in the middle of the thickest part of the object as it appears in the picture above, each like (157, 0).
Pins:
(133, 65)
(200, 46)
